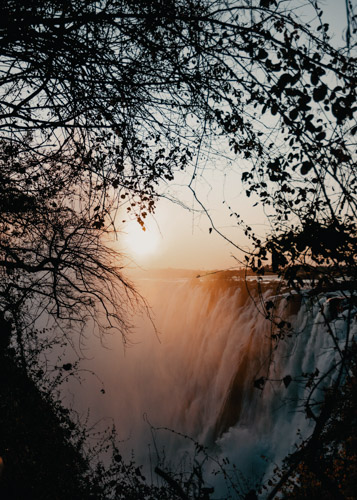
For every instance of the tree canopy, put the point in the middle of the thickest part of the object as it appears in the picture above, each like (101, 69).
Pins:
(103, 100)
(123, 94)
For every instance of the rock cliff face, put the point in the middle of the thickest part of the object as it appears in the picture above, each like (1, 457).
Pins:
(38, 460)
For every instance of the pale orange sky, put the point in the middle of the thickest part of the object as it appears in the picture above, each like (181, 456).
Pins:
(174, 239)
(180, 238)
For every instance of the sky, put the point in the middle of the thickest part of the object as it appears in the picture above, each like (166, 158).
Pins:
(180, 237)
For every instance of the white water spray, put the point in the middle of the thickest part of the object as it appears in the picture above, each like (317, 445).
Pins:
(199, 379)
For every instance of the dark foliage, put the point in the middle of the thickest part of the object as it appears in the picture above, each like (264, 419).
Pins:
(101, 101)
(39, 444)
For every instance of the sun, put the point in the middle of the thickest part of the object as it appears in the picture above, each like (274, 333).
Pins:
(142, 243)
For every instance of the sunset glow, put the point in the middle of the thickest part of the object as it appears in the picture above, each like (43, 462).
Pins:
(140, 242)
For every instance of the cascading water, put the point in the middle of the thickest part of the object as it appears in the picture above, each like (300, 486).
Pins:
(197, 374)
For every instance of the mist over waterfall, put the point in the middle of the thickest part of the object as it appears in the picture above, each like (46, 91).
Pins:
(196, 373)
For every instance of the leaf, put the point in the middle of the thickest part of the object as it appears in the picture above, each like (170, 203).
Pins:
(274, 109)
(262, 54)
(306, 167)
(287, 380)
(269, 305)
(314, 77)
(321, 136)
(259, 383)
(319, 93)
(267, 3)
(284, 80)
(339, 110)
(138, 472)
(294, 114)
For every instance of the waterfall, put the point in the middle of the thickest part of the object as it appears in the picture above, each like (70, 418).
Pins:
(196, 373)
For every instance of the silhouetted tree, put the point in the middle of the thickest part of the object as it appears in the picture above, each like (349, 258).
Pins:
(124, 93)
(52, 256)
(103, 100)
